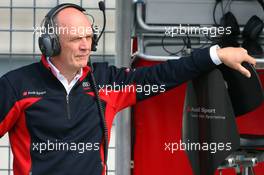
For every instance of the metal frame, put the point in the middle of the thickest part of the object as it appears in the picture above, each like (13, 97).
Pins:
(158, 29)
(243, 160)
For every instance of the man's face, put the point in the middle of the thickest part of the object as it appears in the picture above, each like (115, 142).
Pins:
(75, 36)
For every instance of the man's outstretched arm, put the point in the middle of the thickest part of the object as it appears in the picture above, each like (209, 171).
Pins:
(172, 73)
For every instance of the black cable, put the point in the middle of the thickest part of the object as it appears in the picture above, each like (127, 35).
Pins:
(228, 4)
(102, 116)
(215, 6)
(169, 52)
(202, 45)
(214, 10)
(188, 44)
(214, 40)
(222, 7)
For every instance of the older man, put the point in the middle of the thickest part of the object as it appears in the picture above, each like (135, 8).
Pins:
(51, 113)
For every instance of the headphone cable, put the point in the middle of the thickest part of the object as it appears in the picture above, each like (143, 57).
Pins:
(215, 6)
(169, 52)
(102, 116)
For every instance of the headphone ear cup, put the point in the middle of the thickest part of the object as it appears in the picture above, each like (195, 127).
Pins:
(229, 20)
(45, 45)
(56, 46)
(253, 28)
(49, 46)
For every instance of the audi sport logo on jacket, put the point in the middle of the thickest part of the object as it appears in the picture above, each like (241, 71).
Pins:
(34, 93)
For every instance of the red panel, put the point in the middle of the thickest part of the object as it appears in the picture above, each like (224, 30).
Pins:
(252, 123)
(158, 120)
(155, 125)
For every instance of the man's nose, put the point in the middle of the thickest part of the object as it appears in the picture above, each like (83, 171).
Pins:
(85, 44)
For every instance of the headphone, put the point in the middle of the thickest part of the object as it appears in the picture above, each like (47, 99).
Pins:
(49, 41)
(250, 34)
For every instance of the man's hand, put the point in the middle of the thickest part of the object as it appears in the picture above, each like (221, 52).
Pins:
(233, 57)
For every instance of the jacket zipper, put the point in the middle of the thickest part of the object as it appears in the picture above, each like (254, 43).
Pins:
(68, 107)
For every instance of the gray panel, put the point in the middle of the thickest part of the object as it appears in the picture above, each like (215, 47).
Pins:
(195, 11)
(6, 65)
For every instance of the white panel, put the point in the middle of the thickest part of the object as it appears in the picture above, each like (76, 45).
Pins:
(46, 3)
(4, 18)
(111, 159)
(5, 3)
(111, 173)
(4, 46)
(11, 159)
(22, 18)
(70, 1)
(23, 3)
(113, 134)
(110, 20)
(4, 158)
(22, 42)
(110, 43)
(110, 4)
(40, 15)
(90, 4)
(98, 17)
(36, 45)
(4, 141)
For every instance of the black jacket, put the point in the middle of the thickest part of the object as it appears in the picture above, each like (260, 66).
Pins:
(52, 133)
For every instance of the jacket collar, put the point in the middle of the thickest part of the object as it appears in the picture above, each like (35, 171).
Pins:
(45, 63)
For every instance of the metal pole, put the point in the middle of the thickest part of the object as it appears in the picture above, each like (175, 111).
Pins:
(124, 20)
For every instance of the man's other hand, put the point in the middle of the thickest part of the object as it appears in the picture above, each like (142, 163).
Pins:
(233, 58)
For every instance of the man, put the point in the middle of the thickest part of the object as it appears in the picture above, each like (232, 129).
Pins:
(50, 111)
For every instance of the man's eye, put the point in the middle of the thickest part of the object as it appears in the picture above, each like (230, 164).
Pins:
(76, 39)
